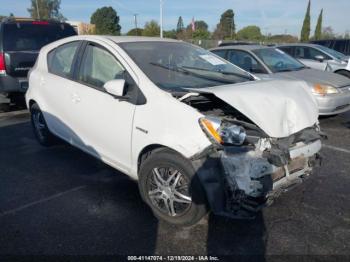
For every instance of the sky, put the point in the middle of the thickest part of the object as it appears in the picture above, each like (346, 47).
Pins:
(272, 16)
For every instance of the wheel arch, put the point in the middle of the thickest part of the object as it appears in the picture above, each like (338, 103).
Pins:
(147, 150)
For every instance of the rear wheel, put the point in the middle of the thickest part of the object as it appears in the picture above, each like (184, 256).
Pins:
(169, 186)
(41, 131)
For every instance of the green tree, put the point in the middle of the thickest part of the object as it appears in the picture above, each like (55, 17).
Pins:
(305, 31)
(180, 25)
(282, 39)
(347, 35)
(226, 29)
(199, 25)
(252, 33)
(135, 32)
(318, 30)
(170, 34)
(47, 9)
(106, 21)
(151, 29)
(328, 33)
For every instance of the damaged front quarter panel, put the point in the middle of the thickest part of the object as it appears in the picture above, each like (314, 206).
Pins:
(240, 180)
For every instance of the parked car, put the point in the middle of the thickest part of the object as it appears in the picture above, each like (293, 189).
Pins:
(196, 131)
(20, 42)
(332, 91)
(340, 45)
(319, 57)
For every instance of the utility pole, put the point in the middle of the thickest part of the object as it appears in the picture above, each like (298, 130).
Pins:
(37, 9)
(135, 20)
(161, 18)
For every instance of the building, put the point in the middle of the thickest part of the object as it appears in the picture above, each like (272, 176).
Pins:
(82, 28)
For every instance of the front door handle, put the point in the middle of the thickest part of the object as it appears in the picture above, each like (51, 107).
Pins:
(75, 98)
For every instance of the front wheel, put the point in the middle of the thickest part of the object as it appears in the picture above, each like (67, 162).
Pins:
(168, 184)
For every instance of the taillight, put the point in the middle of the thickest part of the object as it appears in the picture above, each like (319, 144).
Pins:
(2, 64)
(40, 23)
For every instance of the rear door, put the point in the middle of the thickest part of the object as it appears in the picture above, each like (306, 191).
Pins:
(56, 88)
(22, 42)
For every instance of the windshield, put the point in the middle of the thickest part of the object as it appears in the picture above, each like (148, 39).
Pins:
(32, 37)
(277, 60)
(332, 52)
(175, 66)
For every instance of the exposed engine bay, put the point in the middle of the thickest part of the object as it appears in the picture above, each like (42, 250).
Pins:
(247, 169)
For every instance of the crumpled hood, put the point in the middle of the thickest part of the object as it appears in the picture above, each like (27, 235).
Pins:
(279, 107)
(314, 76)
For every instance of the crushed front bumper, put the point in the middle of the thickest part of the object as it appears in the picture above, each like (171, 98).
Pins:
(239, 181)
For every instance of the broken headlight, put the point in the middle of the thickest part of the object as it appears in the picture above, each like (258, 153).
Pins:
(223, 133)
(321, 89)
(232, 134)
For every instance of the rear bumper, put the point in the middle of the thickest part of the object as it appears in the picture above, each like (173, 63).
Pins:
(334, 104)
(240, 183)
(9, 84)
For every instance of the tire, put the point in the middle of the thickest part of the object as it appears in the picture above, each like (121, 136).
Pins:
(184, 184)
(41, 131)
(344, 73)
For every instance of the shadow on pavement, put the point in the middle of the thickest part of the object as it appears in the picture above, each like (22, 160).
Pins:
(105, 217)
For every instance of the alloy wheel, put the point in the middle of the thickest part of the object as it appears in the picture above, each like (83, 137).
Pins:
(168, 191)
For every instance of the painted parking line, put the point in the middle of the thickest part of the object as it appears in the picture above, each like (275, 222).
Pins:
(13, 211)
(337, 148)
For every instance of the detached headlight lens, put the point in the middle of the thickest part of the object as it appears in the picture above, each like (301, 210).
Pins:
(223, 133)
(320, 89)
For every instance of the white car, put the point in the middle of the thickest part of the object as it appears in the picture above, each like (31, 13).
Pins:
(319, 57)
(197, 132)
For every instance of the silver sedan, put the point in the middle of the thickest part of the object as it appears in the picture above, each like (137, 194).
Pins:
(332, 91)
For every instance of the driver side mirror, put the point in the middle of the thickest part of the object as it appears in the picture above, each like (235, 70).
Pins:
(319, 58)
(116, 88)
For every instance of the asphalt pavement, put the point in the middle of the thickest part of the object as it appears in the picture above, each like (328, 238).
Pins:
(61, 201)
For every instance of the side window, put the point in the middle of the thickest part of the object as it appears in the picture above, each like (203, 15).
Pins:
(60, 60)
(245, 61)
(287, 49)
(314, 52)
(308, 53)
(99, 66)
(221, 53)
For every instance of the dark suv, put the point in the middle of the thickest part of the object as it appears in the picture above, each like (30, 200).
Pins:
(20, 43)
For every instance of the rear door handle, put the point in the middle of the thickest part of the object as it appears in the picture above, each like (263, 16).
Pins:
(42, 81)
(75, 98)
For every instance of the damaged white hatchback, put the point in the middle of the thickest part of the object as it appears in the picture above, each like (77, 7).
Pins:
(197, 132)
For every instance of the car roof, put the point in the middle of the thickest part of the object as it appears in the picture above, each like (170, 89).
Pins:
(242, 47)
(299, 44)
(125, 39)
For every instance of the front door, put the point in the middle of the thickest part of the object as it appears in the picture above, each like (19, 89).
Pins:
(103, 122)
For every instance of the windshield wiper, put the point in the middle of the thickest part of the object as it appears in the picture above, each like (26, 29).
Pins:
(188, 72)
(221, 72)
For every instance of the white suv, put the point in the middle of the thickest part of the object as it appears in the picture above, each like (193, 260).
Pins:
(197, 132)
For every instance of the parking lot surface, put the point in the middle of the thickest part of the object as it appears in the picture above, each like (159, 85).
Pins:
(61, 201)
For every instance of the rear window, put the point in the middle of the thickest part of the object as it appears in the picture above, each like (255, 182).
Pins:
(32, 37)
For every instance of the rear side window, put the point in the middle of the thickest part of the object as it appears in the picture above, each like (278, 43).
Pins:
(287, 49)
(221, 53)
(60, 60)
(32, 37)
(99, 66)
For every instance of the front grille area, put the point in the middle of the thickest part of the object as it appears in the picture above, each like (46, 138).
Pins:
(294, 165)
